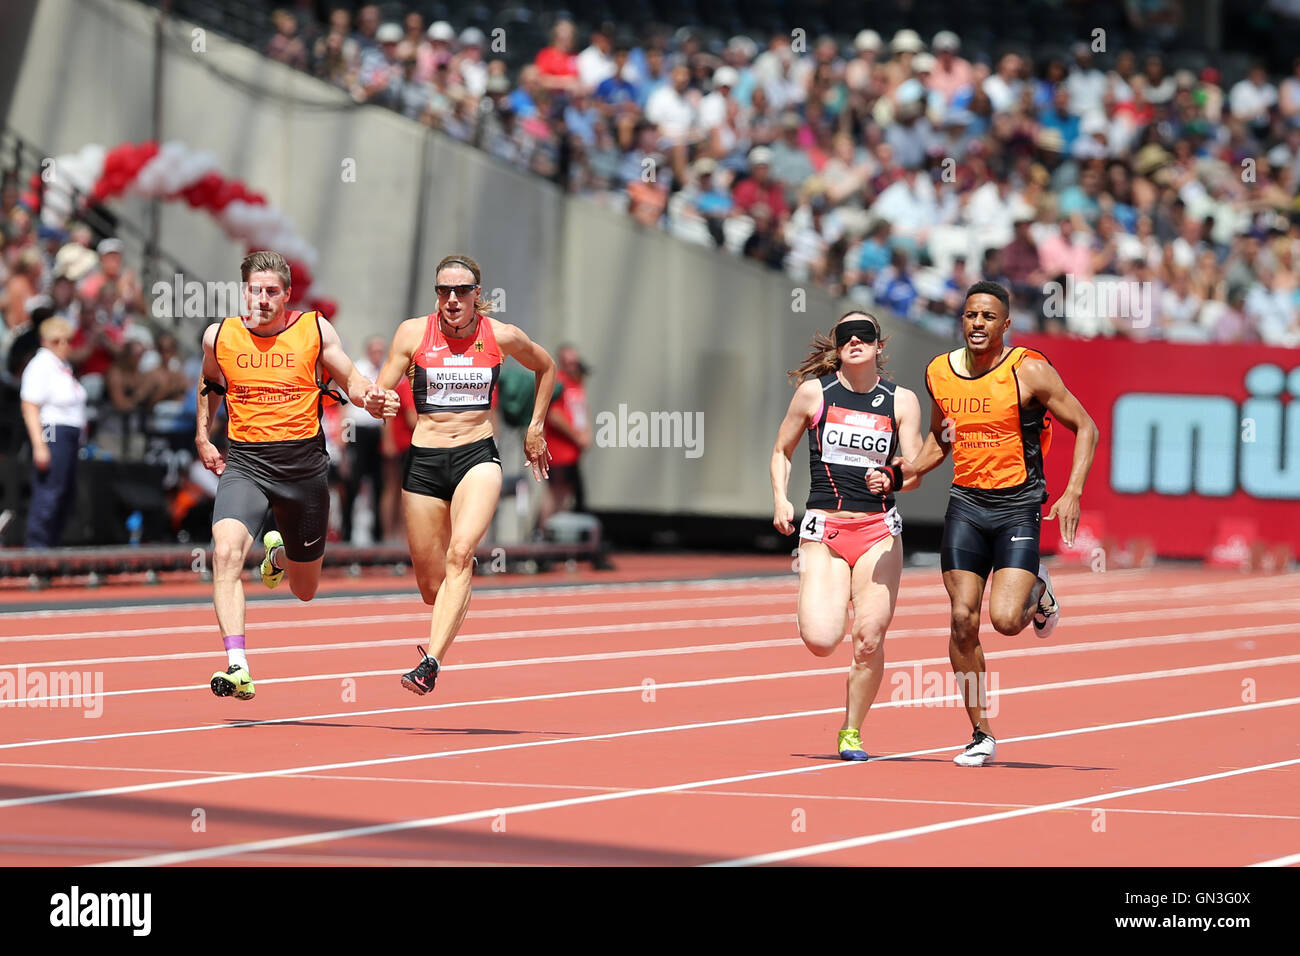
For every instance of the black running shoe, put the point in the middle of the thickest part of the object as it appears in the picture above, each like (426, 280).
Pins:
(421, 680)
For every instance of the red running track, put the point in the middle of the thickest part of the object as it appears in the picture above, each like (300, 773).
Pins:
(626, 722)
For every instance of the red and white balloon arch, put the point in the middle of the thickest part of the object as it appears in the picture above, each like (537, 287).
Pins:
(174, 171)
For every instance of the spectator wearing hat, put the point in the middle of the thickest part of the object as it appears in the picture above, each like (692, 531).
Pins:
(434, 50)
(950, 73)
(716, 105)
(468, 66)
(382, 70)
(858, 72)
(124, 282)
(911, 134)
(761, 187)
(903, 47)
(791, 164)
(54, 411)
(707, 199)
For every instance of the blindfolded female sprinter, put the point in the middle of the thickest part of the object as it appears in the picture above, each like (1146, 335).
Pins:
(851, 549)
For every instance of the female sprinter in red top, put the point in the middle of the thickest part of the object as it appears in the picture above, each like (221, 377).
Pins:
(451, 478)
(850, 547)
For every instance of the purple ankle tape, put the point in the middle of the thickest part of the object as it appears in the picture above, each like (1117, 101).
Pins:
(234, 641)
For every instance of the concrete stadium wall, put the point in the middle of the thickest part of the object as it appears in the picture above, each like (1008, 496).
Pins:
(667, 326)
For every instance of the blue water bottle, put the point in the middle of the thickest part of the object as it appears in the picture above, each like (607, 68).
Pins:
(134, 525)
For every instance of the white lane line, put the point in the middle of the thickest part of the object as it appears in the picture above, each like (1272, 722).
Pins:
(523, 745)
(907, 607)
(235, 849)
(1121, 617)
(1291, 860)
(781, 856)
(716, 623)
(412, 595)
(1154, 640)
(529, 785)
(208, 629)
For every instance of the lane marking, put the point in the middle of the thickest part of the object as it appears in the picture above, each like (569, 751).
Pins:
(1155, 640)
(781, 856)
(524, 745)
(255, 846)
(527, 785)
(905, 609)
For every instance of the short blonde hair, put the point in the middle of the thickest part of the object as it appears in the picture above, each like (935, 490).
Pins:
(53, 326)
(265, 261)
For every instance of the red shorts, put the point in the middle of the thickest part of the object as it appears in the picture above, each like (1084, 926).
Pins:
(851, 538)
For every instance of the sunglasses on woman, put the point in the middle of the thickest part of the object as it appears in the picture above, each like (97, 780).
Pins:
(461, 290)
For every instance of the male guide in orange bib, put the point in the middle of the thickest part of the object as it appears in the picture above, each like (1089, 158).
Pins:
(989, 407)
(271, 366)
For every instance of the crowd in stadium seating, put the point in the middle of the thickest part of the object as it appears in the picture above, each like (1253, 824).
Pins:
(1112, 195)
(136, 381)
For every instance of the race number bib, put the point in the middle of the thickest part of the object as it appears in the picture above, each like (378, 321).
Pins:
(813, 527)
(856, 439)
(894, 522)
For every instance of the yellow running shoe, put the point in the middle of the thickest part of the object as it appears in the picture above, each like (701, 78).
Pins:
(271, 575)
(850, 746)
(234, 680)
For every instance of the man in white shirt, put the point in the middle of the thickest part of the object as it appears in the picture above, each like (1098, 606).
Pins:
(1251, 99)
(54, 411)
(670, 109)
(596, 63)
(361, 436)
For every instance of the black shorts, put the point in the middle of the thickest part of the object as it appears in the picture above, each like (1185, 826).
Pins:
(436, 472)
(984, 539)
(290, 480)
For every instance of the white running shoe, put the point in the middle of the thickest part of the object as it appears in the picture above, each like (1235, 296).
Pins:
(1048, 614)
(979, 751)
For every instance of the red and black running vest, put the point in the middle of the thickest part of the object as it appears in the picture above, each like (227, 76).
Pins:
(455, 375)
(853, 433)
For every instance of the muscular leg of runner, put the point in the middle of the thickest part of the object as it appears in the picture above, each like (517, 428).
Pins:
(1014, 599)
(304, 576)
(428, 529)
(824, 589)
(966, 591)
(875, 591)
(472, 505)
(231, 542)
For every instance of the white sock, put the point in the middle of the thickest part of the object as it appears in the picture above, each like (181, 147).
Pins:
(236, 656)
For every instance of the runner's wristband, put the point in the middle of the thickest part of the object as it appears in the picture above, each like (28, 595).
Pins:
(895, 473)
